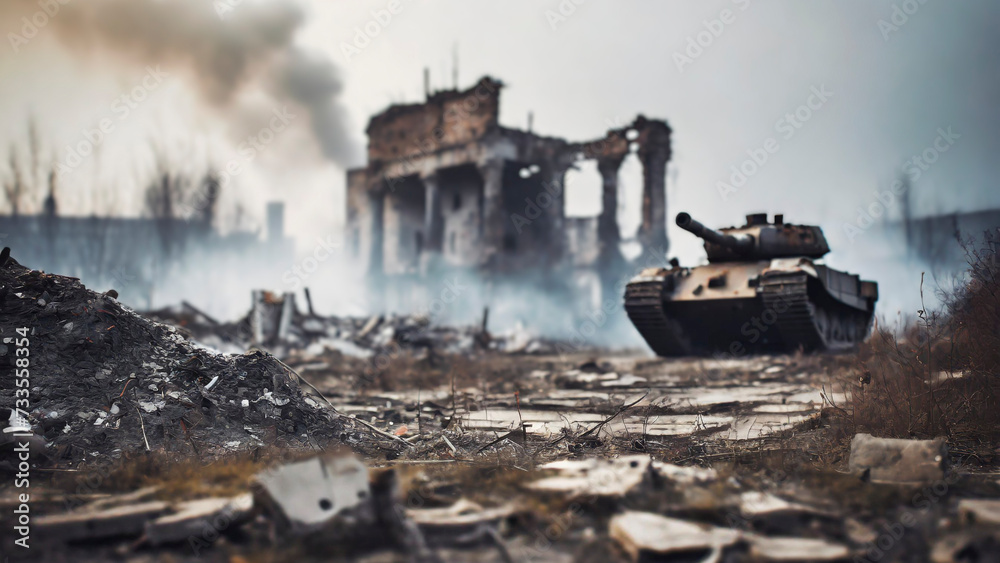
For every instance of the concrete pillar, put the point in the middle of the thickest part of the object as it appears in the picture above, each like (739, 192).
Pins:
(376, 209)
(430, 257)
(433, 216)
(275, 221)
(554, 214)
(610, 263)
(607, 223)
(494, 214)
(653, 233)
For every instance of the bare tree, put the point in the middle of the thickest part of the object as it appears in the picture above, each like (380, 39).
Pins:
(207, 199)
(14, 186)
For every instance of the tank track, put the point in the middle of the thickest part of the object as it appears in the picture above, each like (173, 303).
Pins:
(788, 296)
(811, 324)
(644, 305)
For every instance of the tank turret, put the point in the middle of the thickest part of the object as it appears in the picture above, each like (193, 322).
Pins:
(738, 243)
(758, 239)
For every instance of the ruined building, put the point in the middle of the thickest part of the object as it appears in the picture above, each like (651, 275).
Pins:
(448, 189)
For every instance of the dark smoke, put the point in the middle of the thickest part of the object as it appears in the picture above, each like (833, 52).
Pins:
(312, 81)
(245, 46)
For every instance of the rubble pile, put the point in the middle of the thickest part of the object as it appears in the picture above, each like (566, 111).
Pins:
(104, 380)
(277, 324)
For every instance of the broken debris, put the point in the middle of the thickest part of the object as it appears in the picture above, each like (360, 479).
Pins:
(890, 460)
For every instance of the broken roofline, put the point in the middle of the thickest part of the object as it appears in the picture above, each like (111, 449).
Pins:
(452, 119)
(483, 88)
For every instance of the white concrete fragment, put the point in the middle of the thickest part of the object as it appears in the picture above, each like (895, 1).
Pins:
(311, 492)
(461, 515)
(796, 549)
(152, 406)
(685, 475)
(595, 477)
(889, 460)
(644, 533)
(754, 504)
(627, 380)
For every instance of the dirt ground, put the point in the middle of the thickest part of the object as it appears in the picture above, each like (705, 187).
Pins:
(482, 428)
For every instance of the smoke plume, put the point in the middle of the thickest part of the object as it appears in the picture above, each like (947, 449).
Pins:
(222, 47)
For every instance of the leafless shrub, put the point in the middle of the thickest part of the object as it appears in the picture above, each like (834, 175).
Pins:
(942, 376)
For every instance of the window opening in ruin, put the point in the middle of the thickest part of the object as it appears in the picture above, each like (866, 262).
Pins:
(418, 241)
(456, 202)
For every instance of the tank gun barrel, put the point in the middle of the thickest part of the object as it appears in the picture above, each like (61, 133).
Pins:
(741, 243)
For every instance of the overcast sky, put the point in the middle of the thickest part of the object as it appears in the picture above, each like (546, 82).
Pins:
(891, 81)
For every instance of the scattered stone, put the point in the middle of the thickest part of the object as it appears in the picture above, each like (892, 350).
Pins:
(595, 477)
(980, 511)
(199, 518)
(645, 535)
(966, 546)
(799, 550)
(890, 460)
(113, 501)
(685, 475)
(463, 518)
(756, 504)
(128, 520)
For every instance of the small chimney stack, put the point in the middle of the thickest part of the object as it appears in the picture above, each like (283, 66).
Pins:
(275, 221)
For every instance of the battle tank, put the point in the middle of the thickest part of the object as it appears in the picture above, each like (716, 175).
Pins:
(763, 290)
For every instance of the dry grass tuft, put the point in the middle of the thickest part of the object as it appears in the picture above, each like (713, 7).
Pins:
(942, 376)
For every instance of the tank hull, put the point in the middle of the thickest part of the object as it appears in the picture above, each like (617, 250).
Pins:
(733, 309)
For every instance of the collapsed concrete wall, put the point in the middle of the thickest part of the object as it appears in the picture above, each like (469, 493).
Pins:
(448, 189)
